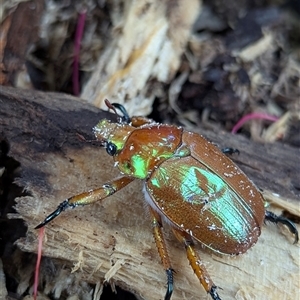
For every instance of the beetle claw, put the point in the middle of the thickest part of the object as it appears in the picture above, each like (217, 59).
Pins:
(230, 151)
(214, 294)
(61, 207)
(169, 292)
(270, 216)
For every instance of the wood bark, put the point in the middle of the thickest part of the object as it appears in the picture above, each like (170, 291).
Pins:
(112, 240)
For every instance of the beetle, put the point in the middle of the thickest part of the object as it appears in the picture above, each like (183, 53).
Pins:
(189, 183)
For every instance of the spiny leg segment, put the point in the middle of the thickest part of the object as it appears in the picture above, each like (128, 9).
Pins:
(197, 264)
(192, 256)
(88, 197)
(162, 250)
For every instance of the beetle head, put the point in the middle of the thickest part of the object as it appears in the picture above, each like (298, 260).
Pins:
(112, 135)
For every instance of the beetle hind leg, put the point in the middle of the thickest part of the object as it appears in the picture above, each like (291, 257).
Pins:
(270, 216)
(162, 250)
(197, 264)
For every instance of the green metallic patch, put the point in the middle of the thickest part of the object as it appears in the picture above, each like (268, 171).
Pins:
(118, 143)
(199, 186)
(202, 186)
(162, 178)
(139, 165)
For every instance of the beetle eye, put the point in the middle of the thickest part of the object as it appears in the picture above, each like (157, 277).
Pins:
(111, 149)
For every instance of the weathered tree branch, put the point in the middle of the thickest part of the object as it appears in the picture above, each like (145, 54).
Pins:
(113, 240)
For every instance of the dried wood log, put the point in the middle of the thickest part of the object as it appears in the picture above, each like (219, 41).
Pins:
(113, 240)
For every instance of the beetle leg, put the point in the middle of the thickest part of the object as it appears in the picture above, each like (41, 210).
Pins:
(88, 197)
(162, 250)
(197, 264)
(230, 151)
(270, 216)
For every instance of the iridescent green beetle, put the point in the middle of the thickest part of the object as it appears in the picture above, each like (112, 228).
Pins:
(189, 183)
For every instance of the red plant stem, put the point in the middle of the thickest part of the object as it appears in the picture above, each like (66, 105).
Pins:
(38, 262)
(248, 117)
(78, 39)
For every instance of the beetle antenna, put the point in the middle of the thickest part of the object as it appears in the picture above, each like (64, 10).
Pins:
(101, 143)
(113, 106)
(126, 119)
(110, 106)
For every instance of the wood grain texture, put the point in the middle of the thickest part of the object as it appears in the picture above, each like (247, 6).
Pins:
(113, 240)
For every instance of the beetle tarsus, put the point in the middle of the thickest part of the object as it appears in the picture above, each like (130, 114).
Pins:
(270, 216)
(213, 293)
(61, 207)
(170, 284)
(230, 151)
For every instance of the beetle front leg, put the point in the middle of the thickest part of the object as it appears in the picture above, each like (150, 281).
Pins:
(197, 264)
(162, 250)
(88, 197)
